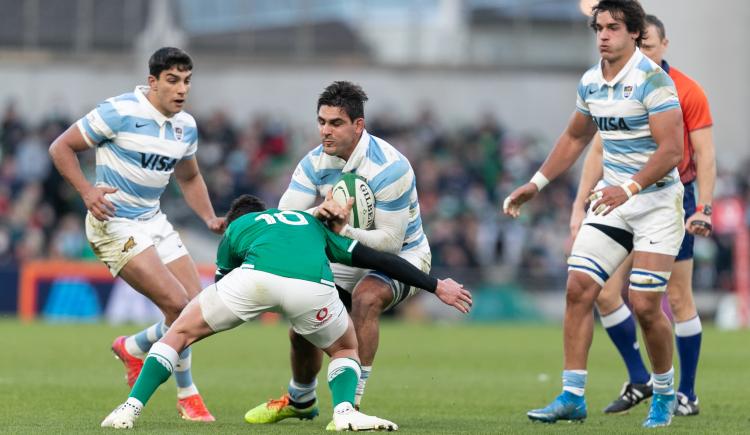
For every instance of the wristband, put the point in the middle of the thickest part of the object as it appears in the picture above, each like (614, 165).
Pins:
(539, 181)
(626, 186)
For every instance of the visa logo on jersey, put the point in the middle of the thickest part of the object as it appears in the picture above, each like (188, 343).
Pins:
(610, 123)
(156, 162)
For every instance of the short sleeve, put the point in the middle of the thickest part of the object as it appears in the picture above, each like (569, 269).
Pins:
(226, 259)
(338, 248)
(581, 104)
(659, 93)
(100, 124)
(695, 109)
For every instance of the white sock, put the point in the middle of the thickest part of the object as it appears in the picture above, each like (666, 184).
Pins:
(363, 377)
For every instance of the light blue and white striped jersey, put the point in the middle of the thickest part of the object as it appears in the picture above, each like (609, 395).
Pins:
(387, 171)
(620, 108)
(137, 148)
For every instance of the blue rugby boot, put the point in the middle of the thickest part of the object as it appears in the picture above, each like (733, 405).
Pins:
(662, 409)
(567, 406)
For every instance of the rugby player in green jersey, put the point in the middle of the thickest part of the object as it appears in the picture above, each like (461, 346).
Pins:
(274, 260)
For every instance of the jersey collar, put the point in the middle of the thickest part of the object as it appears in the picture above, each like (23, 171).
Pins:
(140, 94)
(635, 59)
(359, 153)
(665, 66)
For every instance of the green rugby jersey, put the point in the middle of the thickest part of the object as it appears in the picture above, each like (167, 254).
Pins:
(287, 243)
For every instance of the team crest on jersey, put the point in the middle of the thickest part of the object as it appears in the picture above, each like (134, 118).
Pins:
(178, 133)
(627, 91)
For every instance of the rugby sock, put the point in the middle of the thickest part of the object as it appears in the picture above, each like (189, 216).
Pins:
(183, 376)
(620, 327)
(302, 395)
(361, 384)
(664, 382)
(157, 368)
(688, 336)
(574, 381)
(343, 375)
(139, 344)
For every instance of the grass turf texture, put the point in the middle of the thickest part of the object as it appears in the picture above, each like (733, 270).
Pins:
(428, 379)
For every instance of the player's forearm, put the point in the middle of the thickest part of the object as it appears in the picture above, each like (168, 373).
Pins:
(705, 163)
(568, 148)
(393, 266)
(66, 161)
(381, 240)
(591, 173)
(390, 232)
(296, 200)
(196, 196)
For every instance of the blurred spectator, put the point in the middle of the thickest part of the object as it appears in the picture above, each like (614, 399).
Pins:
(463, 173)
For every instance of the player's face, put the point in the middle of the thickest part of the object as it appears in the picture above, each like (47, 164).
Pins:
(653, 46)
(168, 92)
(338, 133)
(612, 37)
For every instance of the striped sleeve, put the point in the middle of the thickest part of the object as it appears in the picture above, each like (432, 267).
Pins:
(304, 179)
(581, 104)
(100, 124)
(659, 93)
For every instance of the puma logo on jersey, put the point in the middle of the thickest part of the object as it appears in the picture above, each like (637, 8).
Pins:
(129, 244)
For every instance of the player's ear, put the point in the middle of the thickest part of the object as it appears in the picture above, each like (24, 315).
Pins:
(359, 125)
(152, 82)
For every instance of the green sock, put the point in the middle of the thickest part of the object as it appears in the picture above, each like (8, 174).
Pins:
(343, 375)
(157, 368)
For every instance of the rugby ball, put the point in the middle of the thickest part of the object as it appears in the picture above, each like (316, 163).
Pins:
(363, 209)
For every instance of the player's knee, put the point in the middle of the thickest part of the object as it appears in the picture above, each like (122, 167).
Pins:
(371, 301)
(580, 290)
(172, 306)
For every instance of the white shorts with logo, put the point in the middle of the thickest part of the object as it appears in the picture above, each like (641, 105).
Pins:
(655, 219)
(314, 310)
(118, 240)
(348, 277)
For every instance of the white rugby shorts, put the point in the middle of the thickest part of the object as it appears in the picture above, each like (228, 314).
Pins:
(656, 219)
(118, 240)
(314, 310)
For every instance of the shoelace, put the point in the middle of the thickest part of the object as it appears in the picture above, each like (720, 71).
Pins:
(278, 403)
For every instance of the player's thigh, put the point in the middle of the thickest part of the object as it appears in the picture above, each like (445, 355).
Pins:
(148, 275)
(600, 247)
(657, 219)
(610, 298)
(680, 291)
(183, 268)
(116, 241)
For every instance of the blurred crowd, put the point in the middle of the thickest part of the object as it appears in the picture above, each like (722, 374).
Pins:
(463, 173)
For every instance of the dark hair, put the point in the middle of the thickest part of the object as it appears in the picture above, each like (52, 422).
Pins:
(653, 20)
(628, 11)
(345, 95)
(243, 205)
(165, 58)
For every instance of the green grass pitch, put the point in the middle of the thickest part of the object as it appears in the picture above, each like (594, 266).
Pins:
(428, 378)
